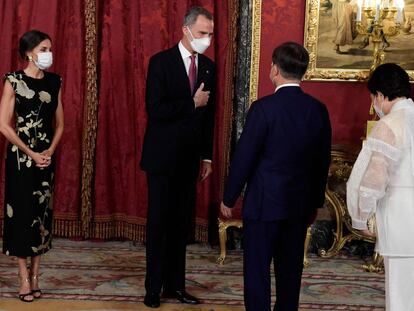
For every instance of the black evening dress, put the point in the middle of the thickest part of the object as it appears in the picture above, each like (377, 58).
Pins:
(28, 195)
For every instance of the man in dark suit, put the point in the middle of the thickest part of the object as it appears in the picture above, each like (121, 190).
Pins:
(178, 141)
(283, 155)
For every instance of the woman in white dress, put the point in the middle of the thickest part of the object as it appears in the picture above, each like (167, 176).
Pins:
(382, 183)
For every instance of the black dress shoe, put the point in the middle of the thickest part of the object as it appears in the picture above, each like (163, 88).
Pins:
(182, 296)
(152, 300)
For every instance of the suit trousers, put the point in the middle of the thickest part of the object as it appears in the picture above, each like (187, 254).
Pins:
(171, 200)
(280, 240)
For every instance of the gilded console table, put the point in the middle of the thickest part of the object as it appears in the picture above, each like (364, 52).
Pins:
(335, 195)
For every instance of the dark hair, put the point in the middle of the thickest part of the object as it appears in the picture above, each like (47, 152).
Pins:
(30, 40)
(292, 59)
(391, 80)
(193, 13)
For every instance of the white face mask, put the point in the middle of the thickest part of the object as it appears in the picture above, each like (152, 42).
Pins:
(44, 60)
(199, 45)
(378, 110)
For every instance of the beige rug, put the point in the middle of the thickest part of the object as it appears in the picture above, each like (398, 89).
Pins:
(109, 276)
(75, 305)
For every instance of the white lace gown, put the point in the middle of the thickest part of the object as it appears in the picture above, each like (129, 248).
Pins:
(382, 183)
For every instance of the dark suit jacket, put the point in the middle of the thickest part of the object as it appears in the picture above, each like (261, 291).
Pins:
(175, 129)
(283, 155)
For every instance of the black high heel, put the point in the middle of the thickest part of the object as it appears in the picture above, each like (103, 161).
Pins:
(36, 293)
(23, 297)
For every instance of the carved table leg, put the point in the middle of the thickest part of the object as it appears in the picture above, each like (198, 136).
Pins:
(377, 264)
(334, 204)
(307, 242)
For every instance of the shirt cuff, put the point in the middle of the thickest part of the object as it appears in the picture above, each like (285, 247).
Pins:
(207, 160)
(359, 224)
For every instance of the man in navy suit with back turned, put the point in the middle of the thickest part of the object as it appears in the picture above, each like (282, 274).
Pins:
(178, 141)
(283, 155)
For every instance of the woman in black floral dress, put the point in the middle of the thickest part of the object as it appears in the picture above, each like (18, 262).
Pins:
(31, 119)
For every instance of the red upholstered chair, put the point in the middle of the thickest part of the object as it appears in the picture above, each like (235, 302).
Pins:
(236, 221)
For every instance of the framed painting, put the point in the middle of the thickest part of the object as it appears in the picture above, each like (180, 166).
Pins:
(339, 50)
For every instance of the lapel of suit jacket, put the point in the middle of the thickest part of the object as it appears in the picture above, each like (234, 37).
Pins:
(178, 62)
(201, 70)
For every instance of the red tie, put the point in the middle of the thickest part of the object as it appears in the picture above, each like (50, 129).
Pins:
(192, 73)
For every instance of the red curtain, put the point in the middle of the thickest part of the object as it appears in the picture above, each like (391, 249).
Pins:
(130, 32)
(64, 22)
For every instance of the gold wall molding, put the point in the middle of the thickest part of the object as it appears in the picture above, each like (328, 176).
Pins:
(255, 50)
(90, 121)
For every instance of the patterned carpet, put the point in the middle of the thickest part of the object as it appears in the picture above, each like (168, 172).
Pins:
(112, 273)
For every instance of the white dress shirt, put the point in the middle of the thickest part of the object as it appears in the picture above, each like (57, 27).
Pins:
(287, 84)
(185, 54)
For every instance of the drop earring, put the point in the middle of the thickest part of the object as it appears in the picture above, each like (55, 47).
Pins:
(30, 58)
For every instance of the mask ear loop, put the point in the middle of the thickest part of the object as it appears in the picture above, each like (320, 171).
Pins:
(382, 104)
(191, 34)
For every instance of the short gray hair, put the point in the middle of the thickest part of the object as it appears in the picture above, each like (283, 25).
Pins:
(193, 13)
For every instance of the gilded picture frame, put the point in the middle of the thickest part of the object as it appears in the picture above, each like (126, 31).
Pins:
(339, 56)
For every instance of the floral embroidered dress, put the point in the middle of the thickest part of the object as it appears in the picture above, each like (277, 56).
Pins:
(28, 193)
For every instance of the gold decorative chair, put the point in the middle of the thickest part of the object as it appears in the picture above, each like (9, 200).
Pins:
(335, 195)
(236, 221)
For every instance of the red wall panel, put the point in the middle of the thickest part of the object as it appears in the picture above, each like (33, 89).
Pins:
(348, 102)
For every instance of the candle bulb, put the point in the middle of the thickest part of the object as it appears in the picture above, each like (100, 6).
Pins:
(400, 7)
(377, 11)
(359, 11)
(399, 16)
